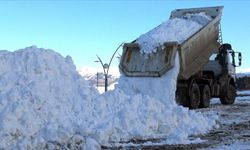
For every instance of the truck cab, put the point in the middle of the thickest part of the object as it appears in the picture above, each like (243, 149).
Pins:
(221, 68)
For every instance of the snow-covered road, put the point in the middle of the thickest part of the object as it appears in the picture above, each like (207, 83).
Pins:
(233, 131)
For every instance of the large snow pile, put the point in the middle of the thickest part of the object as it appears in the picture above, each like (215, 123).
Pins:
(42, 98)
(142, 108)
(146, 107)
(176, 29)
(45, 103)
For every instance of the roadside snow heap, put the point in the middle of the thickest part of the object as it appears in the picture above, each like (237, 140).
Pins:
(45, 103)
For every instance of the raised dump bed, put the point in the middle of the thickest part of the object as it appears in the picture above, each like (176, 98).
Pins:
(194, 51)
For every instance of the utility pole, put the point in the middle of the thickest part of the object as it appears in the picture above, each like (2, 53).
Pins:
(106, 66)
(97, 78)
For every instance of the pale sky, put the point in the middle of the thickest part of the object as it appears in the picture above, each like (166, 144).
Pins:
(83, 29)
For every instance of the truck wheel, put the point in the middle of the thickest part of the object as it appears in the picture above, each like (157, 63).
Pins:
(228, 96)
(194, 96)
(182, 97)
(205, 97)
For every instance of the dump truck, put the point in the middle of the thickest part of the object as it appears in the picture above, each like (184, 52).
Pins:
(207, 65)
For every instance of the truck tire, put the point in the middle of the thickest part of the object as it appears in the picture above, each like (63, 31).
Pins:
(182, 97)
(194, 96)
(205, 97)
(228, 97)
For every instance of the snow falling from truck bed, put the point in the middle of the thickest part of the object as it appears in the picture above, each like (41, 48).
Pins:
(45, 103)
(176, 29)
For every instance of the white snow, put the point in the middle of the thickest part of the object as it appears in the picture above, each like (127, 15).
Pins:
(222, 110)
(42, 98)
(176, 29)
(91, 73)
(142, 108)
(244, 92)
(44, 101)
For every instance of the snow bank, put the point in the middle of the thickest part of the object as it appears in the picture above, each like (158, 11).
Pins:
(176, 29)
(42, 98)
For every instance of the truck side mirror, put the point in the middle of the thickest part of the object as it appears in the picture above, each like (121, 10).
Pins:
(233, 58)
(240, 58)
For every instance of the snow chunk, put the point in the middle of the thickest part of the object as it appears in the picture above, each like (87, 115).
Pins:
(176, 29)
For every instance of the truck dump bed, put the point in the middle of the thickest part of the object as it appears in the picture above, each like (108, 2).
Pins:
(194, 52)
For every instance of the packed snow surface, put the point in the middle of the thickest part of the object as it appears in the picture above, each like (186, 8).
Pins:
(176, 29)
(45, 103)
